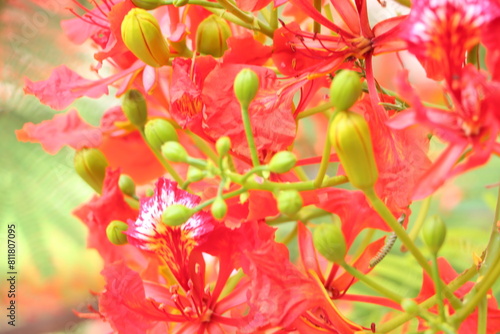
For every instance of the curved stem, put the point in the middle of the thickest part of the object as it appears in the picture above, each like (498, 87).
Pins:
(249, 134)
(419, 222)
(315, 110)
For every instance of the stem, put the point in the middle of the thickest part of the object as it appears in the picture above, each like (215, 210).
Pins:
(304, 215)
(372, 284)
(422, 214)
(437, 286)
(325, 158)
(299, 186)
(289, 237)
(364, 243)
(162, 160)
(482, 316)
(452, 286)
(224, 196)
(253, 171)
(317, 26)
(315, 110)
(249, 134)
(202, 145)
(246, 17)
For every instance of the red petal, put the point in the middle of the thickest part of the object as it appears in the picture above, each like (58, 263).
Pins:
(244, 49)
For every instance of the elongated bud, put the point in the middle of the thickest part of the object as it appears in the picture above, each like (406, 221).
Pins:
(350, 136)
(223, 145)
(148, 4)
(282, 162)
(91, 165)
(135, 108)
(345, 89)
(219, 208)
(194, 174)
(434, 233)
(114, 232)
(211, 36)
(246, 86)
(159, 131)
(176, 214)
(174, 151)
(142, 35)
(126, 185)
(330, 242)
(289, 202)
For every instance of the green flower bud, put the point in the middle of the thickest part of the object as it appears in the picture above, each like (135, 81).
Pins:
(159, 131)
(345, 89)
(174, 151)
(219, 208)
(91, 165)
(350, 136)
(409, 306)
(148, 4)
(434, 233)
(282, 162)
(211, 36)
(330, 242)
(142, 35)
(114, 232)
(127, 185)
(176, 214)
(194, 174)
(246, 86)
(289, 202)
(135, 108)
(180, 3)
(223, 145)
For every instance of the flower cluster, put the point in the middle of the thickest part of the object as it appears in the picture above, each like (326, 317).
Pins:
(205, 158)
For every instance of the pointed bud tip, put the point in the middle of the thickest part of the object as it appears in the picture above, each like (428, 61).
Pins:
(176, 214)
(345, 89)
(282, 162)
(246, 85)
(114, 232)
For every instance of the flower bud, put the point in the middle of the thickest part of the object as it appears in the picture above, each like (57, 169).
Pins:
(148, 4)
(223, 145)
(174, 151)
(246, 85)
(126, 185)
(289, 202)
(409, 306)
(91, 165)
(211, 36)
(345, 89)
(350, 136)
(434, 233)
(194, 174)
(114, 232)
(282, 162)
(176, 214)
(159, 131)
(330, 242)
(219, 208)
(135, 108)
(142, 35)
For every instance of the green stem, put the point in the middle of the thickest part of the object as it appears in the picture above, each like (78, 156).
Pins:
(253, 171)
(246, 17)
(404, 318)
(224, 196)
(202, 145)
(437, 285)
(162, 160)
(325, 158)
(364, 243)
(371, 283)
(304, 215)
(482, 316)
(315, 110)
(317, 26)
(198, 163)
(202, 3)
(387, 216)
(299, 186)
(274, 17)
(249, 134)
(289, 237)
(419, 222)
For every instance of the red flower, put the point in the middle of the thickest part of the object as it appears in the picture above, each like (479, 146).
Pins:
(473, 123)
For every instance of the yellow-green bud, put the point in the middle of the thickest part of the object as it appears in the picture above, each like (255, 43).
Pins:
(212, 35)
(219, 208)
(330, 242)
(223, 145)
(289, 202)
(127, 185)
(142, 35)
(282, 162)
(434, 233)
(246, 86)
(135, 108)
(194, 174)
(148, 4)
(180, 3)
(159, 131)
(345, 90)
(91, 165)
(409, 306)
(176, 214)
(174, 151)
(114, 232)
(350, 136)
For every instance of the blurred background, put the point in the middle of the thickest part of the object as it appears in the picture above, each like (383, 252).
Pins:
(38, 191)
